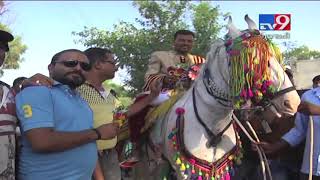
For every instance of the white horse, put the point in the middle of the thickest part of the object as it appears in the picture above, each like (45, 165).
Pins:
(197, 135)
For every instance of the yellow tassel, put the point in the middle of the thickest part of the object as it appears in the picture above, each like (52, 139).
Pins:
(182, 167)
(178, 161)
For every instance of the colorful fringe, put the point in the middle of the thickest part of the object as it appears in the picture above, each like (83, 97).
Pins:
(249, 57)
(192, 169)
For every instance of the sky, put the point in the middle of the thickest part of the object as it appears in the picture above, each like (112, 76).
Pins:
(46, 26)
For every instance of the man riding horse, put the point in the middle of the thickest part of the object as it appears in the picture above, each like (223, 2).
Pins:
(162, 68)
(197, 133)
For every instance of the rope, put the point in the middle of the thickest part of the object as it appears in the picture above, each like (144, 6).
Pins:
(260, 151)
(311, 148)
(263, 154)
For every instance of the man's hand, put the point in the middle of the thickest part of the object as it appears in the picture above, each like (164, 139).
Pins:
(270, 148)
(108, 131)
(38, 80)
(309, 108)
(155, 88)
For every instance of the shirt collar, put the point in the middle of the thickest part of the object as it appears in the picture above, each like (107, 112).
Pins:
(316, 91)
(65, 87)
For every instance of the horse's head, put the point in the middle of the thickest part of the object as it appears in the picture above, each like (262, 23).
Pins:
(247, 67)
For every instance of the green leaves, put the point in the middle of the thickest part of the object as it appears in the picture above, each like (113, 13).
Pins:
(153, 31)
(302, 53)
(17, 48)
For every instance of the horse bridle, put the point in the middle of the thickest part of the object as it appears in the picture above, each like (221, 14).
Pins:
(213, 139)
(225, 100)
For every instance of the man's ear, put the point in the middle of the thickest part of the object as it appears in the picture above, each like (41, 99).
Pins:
(50, 68)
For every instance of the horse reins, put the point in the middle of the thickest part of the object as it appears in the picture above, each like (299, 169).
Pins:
(213, 139)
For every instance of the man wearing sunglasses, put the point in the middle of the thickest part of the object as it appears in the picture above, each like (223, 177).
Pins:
(8, 118)
(58, 138)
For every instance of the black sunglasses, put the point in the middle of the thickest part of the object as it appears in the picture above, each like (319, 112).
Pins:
(74, 63)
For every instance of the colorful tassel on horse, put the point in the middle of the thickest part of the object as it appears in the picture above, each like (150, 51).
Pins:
(182, 167)
(178, 161)
(227, 176)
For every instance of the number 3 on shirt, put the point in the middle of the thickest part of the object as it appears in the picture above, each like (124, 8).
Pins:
(27, 110)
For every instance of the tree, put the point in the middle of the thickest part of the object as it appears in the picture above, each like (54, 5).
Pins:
(121, 93)
(133, 43)
(17, 48)
(302, 53)
(120, 90)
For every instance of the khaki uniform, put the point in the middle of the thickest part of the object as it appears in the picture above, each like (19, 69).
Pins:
(160, 61)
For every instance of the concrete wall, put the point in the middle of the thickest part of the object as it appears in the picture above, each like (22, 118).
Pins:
(304, 71)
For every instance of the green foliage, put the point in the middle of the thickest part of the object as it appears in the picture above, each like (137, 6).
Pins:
(120, 90)
(154, 30)
(125, 101)
(122, 93)
(17, 48)
(302, 53)
(205, 22)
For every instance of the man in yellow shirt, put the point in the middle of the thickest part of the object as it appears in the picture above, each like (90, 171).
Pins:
(103, 103)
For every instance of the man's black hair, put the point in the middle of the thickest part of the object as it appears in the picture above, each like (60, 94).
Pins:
(96, 54)
(18, 81)
(316, 78)
(183, 32)
(57, 55)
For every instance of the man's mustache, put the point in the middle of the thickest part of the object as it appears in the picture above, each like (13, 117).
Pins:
(75, 72)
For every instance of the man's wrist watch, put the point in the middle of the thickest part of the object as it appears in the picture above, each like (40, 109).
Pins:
(98, 134)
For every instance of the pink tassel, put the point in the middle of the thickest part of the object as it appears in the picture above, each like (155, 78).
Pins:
(243, 93)
(250, 94)
(199, 177)
(227, 176)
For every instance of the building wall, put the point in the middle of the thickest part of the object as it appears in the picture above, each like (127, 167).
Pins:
(304, 71)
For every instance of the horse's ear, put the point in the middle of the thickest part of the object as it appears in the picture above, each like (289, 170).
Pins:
(233, 31)
(251, 24)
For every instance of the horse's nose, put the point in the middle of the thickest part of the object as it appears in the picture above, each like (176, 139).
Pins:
(274, 110)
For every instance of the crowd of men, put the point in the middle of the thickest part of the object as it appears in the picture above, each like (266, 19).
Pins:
(66, 128)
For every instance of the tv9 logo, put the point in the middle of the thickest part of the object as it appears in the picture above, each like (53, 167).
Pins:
(275, 22)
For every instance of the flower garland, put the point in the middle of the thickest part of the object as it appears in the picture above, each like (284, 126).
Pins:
(120, 115)
(249, 56)
(183, 72)
(191, 167)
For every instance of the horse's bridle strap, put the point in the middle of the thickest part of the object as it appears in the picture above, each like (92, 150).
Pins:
(206, 80)
(283, 91)
(200, 162)
(213, 139)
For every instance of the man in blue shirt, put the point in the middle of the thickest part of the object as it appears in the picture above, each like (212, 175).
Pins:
(301, 132)
(58, 140)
